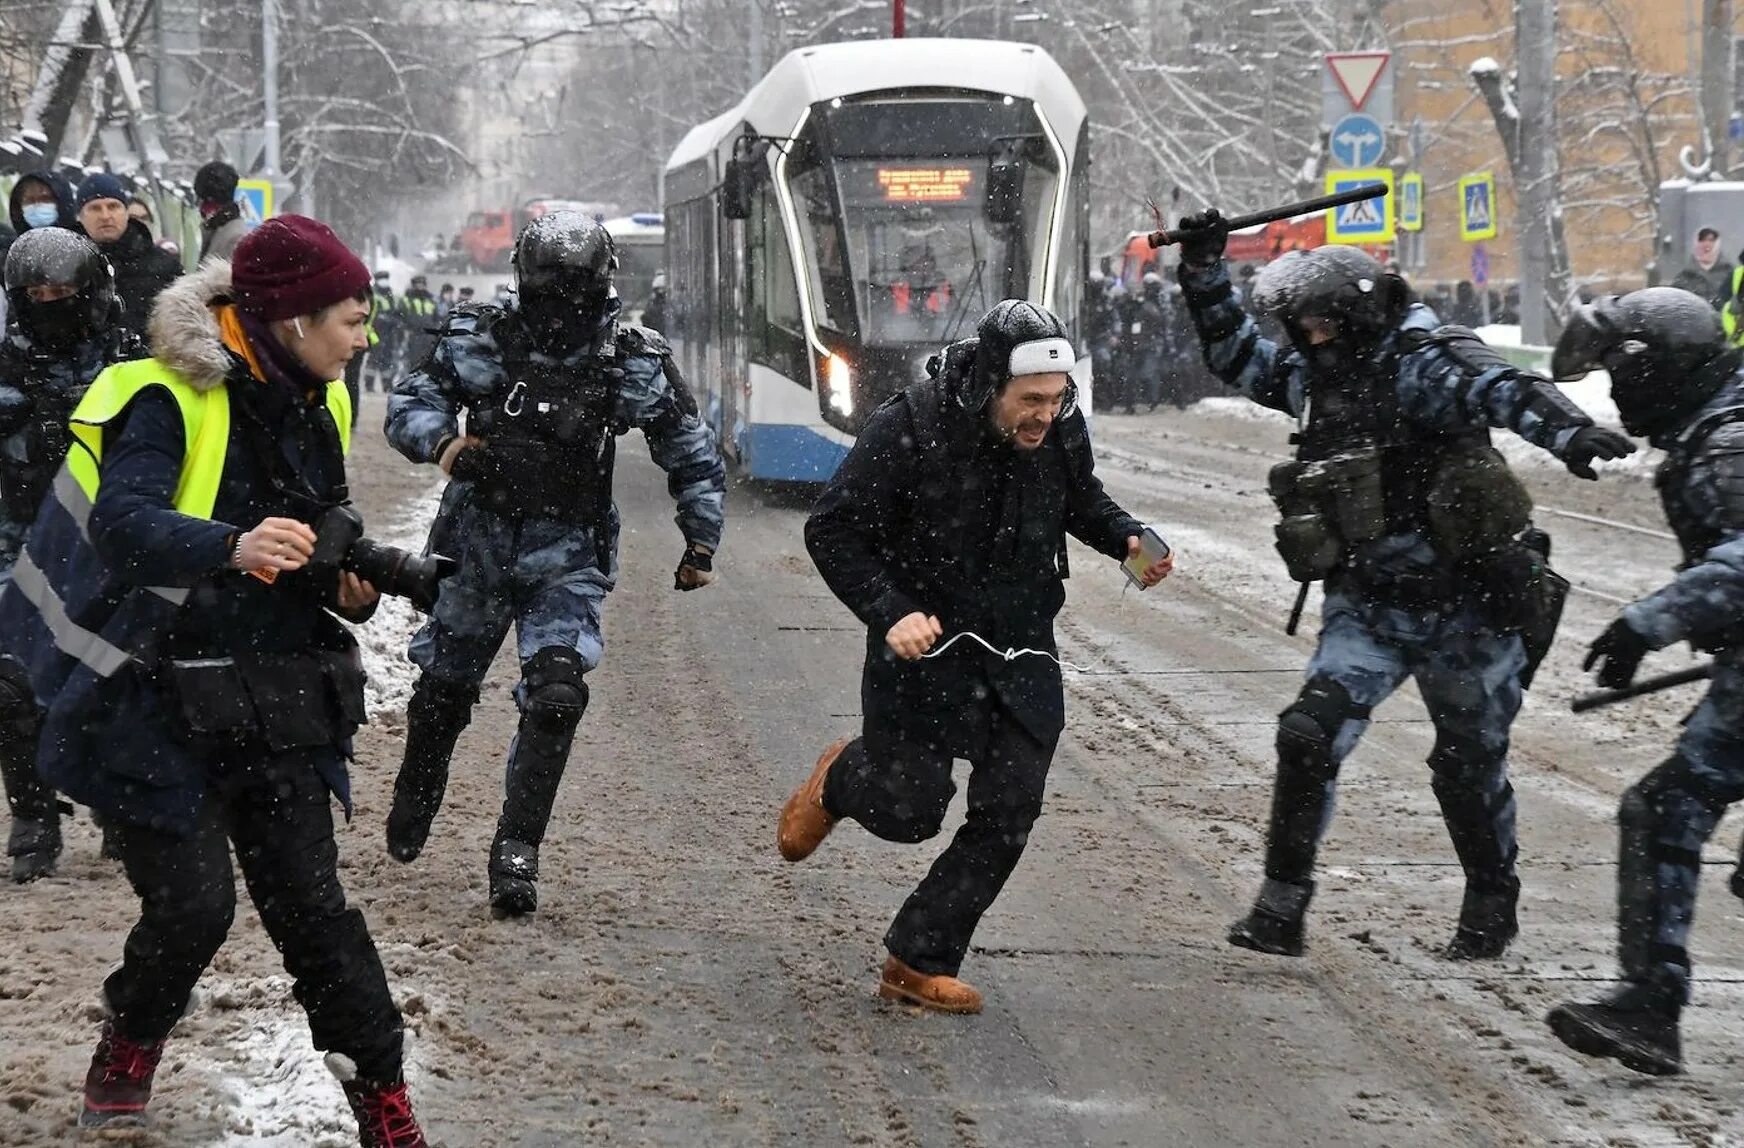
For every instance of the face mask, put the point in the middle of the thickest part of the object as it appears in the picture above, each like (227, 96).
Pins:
(41, 214)
(57, 325)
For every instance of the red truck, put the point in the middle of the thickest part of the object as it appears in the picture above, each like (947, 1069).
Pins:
(489, 236)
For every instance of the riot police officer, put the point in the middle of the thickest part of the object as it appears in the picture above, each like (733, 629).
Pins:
(547, 383)
(66, 327)
(1679, 385)
(1399, 502)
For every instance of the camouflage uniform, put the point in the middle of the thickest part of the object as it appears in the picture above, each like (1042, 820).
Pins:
(1393, 611)
(1670, 813)
(38, 391)
(547, 575)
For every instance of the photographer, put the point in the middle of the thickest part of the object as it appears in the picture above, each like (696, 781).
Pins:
(950, 516)
(199, 689)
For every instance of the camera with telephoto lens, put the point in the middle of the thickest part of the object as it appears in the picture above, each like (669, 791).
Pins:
(340, 545)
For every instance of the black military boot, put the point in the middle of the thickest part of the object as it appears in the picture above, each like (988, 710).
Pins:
(1636, 1025)
(436, 714)
(34, 842)
(555, 699)
(1487, 923)
(514, 877)
(1274, 924)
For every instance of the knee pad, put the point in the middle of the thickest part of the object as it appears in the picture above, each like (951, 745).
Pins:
(1309, 727)
(554, 689)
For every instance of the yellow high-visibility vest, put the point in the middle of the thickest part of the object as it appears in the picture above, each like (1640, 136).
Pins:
(205, 429)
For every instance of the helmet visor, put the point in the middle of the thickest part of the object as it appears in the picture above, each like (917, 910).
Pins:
(1586, 340)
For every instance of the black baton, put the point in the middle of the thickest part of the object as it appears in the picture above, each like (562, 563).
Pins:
(1594, 701)
(1296, 611)
(1272, 215)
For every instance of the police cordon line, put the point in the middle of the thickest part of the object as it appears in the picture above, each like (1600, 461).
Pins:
(178, 549)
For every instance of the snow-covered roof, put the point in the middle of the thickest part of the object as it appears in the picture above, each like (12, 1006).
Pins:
(828, 71)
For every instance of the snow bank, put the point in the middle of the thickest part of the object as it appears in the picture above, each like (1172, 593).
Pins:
(383, 638)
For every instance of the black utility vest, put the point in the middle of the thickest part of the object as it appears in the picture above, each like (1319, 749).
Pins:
(550, 434)
(1362, 412)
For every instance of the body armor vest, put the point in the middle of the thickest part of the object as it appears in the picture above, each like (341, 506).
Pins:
(1695, 534)
(1360, 425)
(551, 438)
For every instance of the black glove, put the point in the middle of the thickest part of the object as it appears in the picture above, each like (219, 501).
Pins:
(1591, 443)
(1203, 237)
(695, 569)
(1621, 648)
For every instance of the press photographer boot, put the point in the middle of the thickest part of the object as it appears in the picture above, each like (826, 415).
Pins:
(118, 1083)
(383, 1108)
(1274, 924)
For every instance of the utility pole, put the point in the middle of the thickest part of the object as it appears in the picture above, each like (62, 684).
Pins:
(1717, 83)
(756, 55)
(269, 66)
(1536, 172)
(898, 19)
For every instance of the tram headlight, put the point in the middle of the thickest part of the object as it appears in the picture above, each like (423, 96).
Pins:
(839, 382)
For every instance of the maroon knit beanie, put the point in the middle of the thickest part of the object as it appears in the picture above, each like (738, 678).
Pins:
(293, 265)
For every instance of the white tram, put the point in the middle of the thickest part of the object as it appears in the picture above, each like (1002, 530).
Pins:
(864, 204)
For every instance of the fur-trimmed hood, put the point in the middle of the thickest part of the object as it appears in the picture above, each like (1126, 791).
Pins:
(183, 330)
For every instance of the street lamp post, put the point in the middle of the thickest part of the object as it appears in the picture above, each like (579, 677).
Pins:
(269, 64)
(898, 18)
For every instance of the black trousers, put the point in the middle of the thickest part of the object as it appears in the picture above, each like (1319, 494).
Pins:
(277, 810)
(896, 781)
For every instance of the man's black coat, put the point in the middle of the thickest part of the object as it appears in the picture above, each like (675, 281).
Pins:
(931, 512)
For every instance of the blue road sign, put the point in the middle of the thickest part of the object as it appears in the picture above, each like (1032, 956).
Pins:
(1480, 265)
(1357, 141)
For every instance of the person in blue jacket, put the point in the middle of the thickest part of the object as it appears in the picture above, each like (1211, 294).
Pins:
(180, 618)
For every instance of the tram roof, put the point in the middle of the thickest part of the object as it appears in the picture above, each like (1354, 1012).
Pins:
(827, 71)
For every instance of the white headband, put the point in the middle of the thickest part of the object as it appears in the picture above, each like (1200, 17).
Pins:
(1040, 357)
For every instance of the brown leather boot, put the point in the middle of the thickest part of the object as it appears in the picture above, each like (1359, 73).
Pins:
(804, 821)
(941, 994)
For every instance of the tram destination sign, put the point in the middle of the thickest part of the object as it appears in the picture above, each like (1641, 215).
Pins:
(924, 184)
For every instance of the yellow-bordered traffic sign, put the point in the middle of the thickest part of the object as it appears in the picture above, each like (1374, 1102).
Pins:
(256, 198)
(1411, 202)
(1367, 221)
(1477, 207)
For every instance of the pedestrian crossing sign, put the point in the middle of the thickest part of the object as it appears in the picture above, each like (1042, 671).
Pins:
(1369, 221)
(256, 198)
(1477, 207)
(1411, 202)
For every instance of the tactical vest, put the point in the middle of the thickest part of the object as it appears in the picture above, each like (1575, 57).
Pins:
(551, 437)
(1694, 535)
(1363, 418)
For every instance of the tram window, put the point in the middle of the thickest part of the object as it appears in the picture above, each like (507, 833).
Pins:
(828, 278)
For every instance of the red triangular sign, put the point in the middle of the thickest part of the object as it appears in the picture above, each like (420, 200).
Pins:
(1357, 73)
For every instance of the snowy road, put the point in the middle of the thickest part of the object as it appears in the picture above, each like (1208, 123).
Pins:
(682, 986)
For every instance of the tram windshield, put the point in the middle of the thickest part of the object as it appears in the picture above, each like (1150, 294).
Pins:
(899, 242)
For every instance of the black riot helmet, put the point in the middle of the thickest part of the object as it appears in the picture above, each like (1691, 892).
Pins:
(1015, 338)
(60, 286)
(563, 275)
(1665, 349)
(1334, 282)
